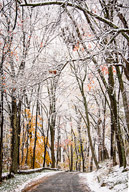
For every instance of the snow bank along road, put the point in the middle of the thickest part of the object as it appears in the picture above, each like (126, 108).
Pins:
(61, 182)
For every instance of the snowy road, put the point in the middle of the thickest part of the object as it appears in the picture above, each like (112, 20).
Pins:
(61, 182)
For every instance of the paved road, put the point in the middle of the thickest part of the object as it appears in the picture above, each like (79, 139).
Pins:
(61, 182)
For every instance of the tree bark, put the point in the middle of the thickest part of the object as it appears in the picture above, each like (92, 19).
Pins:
(35, 137)
(14, 144)
(36, 127)
(71, 162)
(1, 125)
(19, 128)
(58, 145)
(81, 145)
(124, 96)
(52, 114)
(88, 130)
(115, 125)
(52, 131)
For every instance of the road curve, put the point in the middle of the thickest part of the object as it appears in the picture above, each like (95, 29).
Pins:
(61, 182)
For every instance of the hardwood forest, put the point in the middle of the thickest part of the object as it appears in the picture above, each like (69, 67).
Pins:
(64, 84)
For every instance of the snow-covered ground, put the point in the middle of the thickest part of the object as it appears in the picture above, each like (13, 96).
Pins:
(107, 179)
(20, 181)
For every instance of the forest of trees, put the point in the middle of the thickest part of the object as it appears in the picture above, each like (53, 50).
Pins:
(64, 84)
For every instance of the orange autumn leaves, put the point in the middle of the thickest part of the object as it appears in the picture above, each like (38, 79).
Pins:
(77, 47)
(104, 69)
(27, 138)
(90, 85)
(52, 72)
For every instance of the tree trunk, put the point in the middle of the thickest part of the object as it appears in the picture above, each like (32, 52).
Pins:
(104, 149)
(76, 150)
(52, 114)
(88, 131)
(86, 121)
(45, 143)
(14, 149)
(1, 131)
(27, 144)
(71, 162)
(81, 146)
(23, 144)
(124, 97)
(19, 129)
(52, 131)
(36, 127)
(99, 141)
(1, 115)
(91, 164)
(115, 125)
(58, 145)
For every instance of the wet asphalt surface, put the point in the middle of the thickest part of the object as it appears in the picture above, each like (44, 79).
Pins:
(61, 182)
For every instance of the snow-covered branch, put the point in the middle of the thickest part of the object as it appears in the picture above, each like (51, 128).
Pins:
(85, 10)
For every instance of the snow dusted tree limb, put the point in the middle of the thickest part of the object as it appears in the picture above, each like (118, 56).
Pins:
(120, 30)
(15, 21)
(123, 20)
(126, 66)
(84, 10)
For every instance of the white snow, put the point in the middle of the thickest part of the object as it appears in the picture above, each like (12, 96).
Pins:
(107, 179)
(90, 180)
(19, 182)
(5, 174)
(37, 169)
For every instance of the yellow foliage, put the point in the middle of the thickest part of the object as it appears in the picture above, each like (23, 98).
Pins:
(29, 129)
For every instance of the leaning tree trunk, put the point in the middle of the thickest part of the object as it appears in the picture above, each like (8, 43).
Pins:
(89, 134)
(86, 120)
